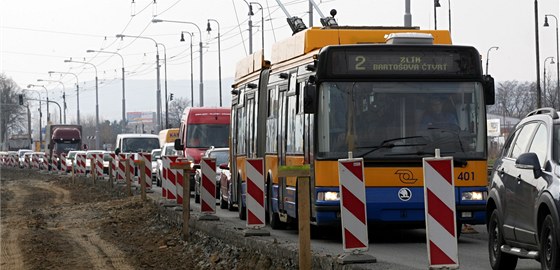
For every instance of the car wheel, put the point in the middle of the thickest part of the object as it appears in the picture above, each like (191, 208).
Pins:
(273, 218)
(223, 203)
(241, 209)
(549, 250)
(498, 259)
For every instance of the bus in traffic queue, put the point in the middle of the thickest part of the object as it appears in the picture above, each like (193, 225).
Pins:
(334, 90)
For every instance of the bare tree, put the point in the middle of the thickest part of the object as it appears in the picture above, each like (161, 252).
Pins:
(176, 108)
(514, 99)
(13, 118)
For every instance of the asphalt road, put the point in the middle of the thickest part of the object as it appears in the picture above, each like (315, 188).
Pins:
(393, 249)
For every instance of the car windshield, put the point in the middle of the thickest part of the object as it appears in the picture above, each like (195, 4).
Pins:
(401, 120)
(137, 145)
(221, 156)
(169, 151)
(67, 146)
(156, 154)
(71, 155)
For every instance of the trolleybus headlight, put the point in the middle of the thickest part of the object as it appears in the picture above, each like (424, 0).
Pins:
(473, 196)
(328, 196)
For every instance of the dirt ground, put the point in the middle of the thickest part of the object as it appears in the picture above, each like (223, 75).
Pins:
(49, 223)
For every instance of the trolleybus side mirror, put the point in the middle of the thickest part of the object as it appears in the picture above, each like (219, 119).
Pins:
(309, 94)
(178, 145)
(489, 90)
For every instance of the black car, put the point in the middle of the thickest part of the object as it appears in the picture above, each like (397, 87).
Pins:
(524, 195)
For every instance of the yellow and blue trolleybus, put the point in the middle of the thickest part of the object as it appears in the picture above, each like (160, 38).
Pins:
(371, 91)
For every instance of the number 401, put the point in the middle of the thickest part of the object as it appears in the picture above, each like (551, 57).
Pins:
(466, 176)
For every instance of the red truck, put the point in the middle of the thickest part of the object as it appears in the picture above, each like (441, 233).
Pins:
(63, 138)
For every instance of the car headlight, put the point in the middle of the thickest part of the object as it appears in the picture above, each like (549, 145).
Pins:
(328, 196)
(473, 196)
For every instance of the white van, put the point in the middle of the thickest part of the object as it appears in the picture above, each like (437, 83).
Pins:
(136, 143)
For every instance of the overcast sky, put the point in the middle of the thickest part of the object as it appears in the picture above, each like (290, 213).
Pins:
(37, 36)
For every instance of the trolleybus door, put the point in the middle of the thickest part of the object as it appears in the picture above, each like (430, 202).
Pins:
(281, 144)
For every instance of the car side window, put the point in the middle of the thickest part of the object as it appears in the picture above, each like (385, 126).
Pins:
(540, 144)
(520, 144)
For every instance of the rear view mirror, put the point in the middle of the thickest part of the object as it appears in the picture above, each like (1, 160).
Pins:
(489, 90)
(309, 96)
(529, 161)
(178, 146)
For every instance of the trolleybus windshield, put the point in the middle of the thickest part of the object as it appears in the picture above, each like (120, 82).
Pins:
(393, 120)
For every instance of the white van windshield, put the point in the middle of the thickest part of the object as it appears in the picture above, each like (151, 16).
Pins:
(137, 145)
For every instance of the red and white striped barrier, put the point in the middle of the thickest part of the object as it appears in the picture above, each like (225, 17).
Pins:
(46, 163)
(26, 162)
(35, 162)
(63, 165)
(98, 158)
(208, 186)
(54, 163)
(147, 158)
(112, 164)
(179, 177)
(122, 162)
(255, 193)
(170, 176)
(439, 200)
(80, 163)
(353, 210)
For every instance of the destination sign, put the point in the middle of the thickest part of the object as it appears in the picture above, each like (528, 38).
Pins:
(402, 62)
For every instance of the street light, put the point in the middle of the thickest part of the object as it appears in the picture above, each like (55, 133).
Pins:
(63, 94)
(182, 40)
(488, 56)
(208, 28)
(544, 71)
(436, 5)
(123, 89)
(262, 22)
(40, 117)
(96, 99)
(250, 24)
(537, 54)
(201, 58)
(557, 56)
(158, 91)
(77, 93)
(48, 112)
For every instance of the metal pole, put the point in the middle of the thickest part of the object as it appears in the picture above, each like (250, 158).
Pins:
(158, 92)
(220, 57)
(29, 124)
(537, 58)
(165, 72)
(488, 56)
(449, 9)
(557, 55)
(407, 15)
(201, 76)
(435, 15)
(311, 14)
(192, 75)
(96, 111)
(123, 103)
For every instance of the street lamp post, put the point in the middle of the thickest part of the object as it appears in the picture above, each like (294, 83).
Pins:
(449, 14)
(123, 89)
(219, 56)
(40, 118)
(537, 58)
(63, 94)
(488, 56)
(96, 99)
(165, 81)
(201, 58)
(77, 94)
(262, 22)
(436, 5)
(250, 24)
(544, 72)
(192, 87)
(557, 56)
(46, 91)
(158, 91)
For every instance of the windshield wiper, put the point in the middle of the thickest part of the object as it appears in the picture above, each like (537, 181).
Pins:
(389, 144)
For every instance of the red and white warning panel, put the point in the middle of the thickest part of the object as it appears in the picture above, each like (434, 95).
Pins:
(353, 204)
(439, 200)
(255, 193)
(147, 158)
(208, 186)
